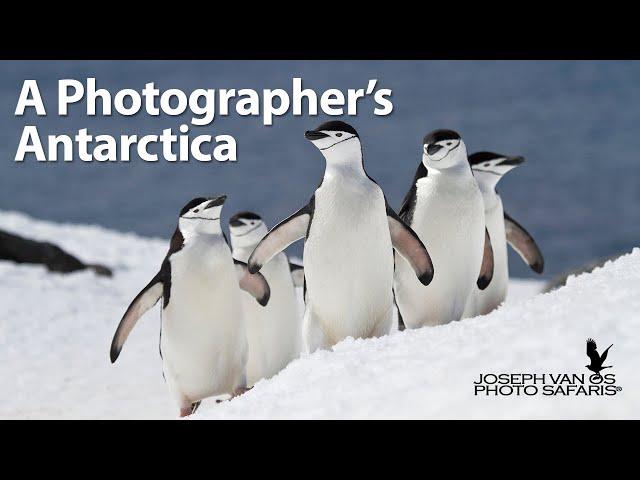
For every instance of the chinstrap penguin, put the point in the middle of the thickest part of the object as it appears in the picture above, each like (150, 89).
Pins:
(203, 341)
(350, 233)
(274, 331)
(444, 207)
(488, 168)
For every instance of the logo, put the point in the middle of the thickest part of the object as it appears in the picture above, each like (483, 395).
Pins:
(596, 359)
(553, 384)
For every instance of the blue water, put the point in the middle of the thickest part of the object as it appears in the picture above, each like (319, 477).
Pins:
(575, 122)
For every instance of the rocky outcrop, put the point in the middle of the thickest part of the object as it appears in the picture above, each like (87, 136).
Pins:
(23, 250)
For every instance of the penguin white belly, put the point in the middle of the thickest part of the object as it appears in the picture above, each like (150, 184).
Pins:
(348, 259)
(449, 219)
(273, 331)
(484, 301)
(203, 340)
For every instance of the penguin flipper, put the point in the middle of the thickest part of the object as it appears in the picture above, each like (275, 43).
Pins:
(524, 244)
(410, 247)
(253, 283)
(289, 230)
(297, 274)
(146, 299)
(486, 269)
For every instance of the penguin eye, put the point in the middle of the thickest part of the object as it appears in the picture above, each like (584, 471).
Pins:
(487, 164)
(338, 134)
(449, 144)
(196, 210)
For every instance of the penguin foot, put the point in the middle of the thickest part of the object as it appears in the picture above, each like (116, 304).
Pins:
(239, 391)
(188, 410)
(236, 393)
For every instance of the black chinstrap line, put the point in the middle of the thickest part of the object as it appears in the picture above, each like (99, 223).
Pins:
(434, 160)
(247, 232)
(488, 171)
(200, 218)
(330, 146)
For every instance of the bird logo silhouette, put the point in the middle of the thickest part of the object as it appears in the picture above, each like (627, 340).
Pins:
(596, 359)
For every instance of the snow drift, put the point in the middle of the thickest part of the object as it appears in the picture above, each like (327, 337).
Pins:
(429, 373)
(55, 332)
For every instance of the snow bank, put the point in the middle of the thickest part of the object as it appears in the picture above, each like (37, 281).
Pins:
(429, 373)
(55, 332)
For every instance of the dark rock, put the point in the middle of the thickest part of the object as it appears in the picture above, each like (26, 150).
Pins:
(23, 250)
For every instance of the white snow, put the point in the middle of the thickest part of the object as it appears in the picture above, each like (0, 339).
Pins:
(55, 332)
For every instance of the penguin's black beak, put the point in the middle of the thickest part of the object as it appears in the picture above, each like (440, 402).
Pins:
(314, 135)
(513, 161)
(216, 202)
(431, 149)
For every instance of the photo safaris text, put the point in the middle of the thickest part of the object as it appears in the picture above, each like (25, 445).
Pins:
(546, 384)
(204, 105)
